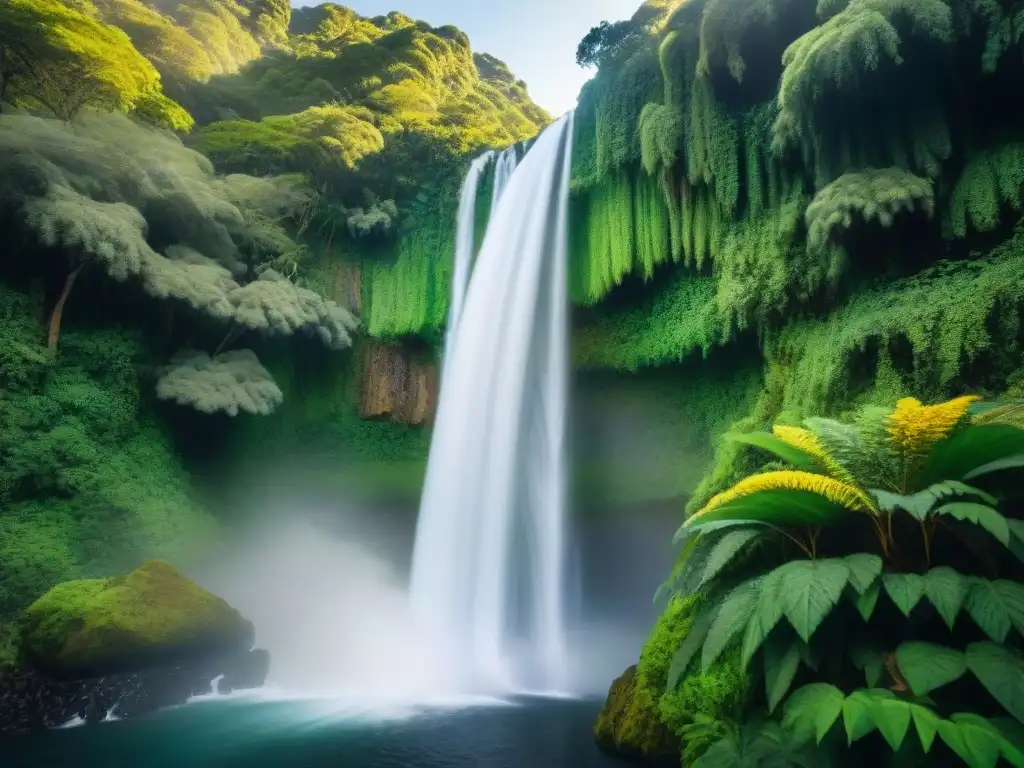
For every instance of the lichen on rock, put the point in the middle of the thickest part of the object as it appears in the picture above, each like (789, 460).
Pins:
(153, 615)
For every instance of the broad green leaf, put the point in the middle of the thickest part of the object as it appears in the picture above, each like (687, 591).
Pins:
(946, 590)
(1013, 740)
(996, 606)
(1017, 538)
(730, 619)
(1010, 462)
(970, 448)
(1001, 671)
(1016, 528)
(981, 515)
(724, 753)
(905, 590)
(864, 570)
(775, 507)
(892, 716)
(870, 661)
(919, 505)
(976, 745)
(781, 662)
(810, 590)
(926, 667)
(693, 527)
(788, 453)
(888, 501)
(692, 643)
(809, 656)
(866, 603)
(813, 709)
(926, 722)
(767, 614)
(688, 572)
(857, 716)
(725, 549)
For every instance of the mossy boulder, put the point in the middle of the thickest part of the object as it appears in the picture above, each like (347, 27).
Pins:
(628, 724)
(152, 616)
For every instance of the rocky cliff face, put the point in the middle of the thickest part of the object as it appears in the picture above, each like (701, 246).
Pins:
(397, 384)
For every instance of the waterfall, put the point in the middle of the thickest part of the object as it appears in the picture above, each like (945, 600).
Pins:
(503, 167)
(492, 517)
(464, 246)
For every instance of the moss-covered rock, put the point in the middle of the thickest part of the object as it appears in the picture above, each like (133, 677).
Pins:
(154, 615)
(642, 720)
(628, 724)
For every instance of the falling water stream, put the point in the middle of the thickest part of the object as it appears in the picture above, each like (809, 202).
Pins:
(488, 566)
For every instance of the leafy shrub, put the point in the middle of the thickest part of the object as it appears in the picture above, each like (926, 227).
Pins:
(886, 548)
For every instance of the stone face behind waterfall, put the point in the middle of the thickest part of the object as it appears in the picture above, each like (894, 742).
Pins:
(132, 643)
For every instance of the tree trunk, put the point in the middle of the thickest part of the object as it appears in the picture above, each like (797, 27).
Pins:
(58, 308)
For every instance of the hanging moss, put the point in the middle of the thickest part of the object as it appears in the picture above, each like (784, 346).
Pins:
(761, 270)
(713, 147)
(991, 180)
(934, 338)
(619, 227)
(868, 196)
(856, 87)
(406, 290)
(680, 318)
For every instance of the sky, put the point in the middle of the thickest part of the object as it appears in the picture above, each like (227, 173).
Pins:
(536, 38)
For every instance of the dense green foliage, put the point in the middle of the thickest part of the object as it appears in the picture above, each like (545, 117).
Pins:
(89, 479)
(858, 558)
(837, 201)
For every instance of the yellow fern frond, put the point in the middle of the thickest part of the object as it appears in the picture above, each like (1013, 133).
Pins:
(834, 490)
(914, 428)
(807, 442)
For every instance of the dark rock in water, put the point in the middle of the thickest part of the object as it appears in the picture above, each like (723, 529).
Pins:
(128, 646)
(31, 699)
(629, 727)
(248, 672)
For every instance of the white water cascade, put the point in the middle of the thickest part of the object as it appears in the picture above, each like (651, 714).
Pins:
(488, 567)
(503, 168)
(464, 246)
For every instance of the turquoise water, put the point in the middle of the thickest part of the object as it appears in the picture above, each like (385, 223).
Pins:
(226, 733)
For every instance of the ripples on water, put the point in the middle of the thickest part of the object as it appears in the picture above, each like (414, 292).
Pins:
(274, 730)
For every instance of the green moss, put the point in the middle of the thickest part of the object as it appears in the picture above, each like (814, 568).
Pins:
(89, 480)
(152, 614)
(641, 718)
(628, 724)
(678, 318)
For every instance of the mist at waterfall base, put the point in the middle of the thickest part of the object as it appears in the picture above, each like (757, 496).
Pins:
(325, 582)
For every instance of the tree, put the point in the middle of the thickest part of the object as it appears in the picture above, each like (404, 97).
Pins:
(604, 41)
(141, 206)
(61, 60)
